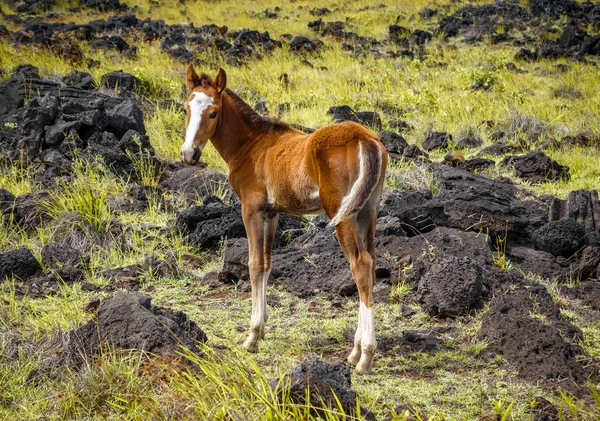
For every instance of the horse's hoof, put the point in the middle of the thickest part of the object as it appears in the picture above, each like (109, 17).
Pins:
(364, 366)
(251, 346)
(354, 357)
(361, 370)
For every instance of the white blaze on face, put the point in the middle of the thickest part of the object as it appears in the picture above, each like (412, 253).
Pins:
(197, 105)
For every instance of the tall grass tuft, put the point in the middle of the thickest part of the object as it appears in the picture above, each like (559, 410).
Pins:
(86, 193)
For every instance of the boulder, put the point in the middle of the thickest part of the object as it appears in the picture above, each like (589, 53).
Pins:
(581, 205)
(452, 286)
(435, 140)
(129, 321)
(126, 116)
(560, 238)
(537, 167)
(315, 383)
(19, 263)
(394, 144)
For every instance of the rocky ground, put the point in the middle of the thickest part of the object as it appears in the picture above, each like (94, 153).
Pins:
(488, 237)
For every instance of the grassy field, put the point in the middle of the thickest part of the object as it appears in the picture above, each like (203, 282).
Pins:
(431, 93)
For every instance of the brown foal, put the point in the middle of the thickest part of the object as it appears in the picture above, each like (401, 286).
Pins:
(273, 168)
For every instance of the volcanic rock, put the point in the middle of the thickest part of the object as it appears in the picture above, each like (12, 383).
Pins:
(477, 164)
(435, 140)
(473, 201)
(126, 116)
(560, 238)
(394, 144)
(342, 113)
(417, 211)
(235, 261)
(581, 205)
(130, 321)
(323, 382)
(19, 263)
(537, 167)
(80, 80)
(496, 150)
(411, 341)
(451, 287)
(206, 225)
(469, 142)
(413, 152)
(55, 255)
(525, 327)
(38, 115)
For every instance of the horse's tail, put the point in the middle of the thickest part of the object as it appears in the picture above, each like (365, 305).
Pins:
(370, 161)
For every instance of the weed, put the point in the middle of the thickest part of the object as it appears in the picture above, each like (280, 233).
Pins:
(86, 194)
(401, 288)
(146, 169)
(499, 255)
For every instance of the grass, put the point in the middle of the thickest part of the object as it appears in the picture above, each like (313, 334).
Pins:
(432, 92)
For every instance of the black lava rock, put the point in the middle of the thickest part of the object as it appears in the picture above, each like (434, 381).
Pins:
(452, 286)
(434, 140)
(561, 238)
(19, 263)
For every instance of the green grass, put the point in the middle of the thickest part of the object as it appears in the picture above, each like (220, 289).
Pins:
(431, 93)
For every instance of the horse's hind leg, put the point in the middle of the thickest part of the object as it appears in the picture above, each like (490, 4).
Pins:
(362, 267)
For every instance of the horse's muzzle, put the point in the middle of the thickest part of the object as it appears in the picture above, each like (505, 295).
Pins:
(191, 156)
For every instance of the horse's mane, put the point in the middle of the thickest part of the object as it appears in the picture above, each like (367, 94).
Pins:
(254, 119)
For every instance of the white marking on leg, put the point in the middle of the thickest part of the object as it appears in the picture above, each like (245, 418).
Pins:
(367, 326)
(367, 341)
(355, 354)
(197, 105)
(265, 314)
(256, 320)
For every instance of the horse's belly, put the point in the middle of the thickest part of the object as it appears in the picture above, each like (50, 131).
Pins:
(296, 204)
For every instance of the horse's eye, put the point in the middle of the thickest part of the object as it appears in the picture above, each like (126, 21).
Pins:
(213, 115)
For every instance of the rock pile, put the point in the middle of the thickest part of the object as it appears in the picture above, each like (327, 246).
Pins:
(59, 123)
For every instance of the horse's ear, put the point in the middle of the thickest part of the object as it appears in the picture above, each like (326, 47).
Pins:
(192, 78)
(221, 80)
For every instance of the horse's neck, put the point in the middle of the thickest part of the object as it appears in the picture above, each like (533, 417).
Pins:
(234, 134)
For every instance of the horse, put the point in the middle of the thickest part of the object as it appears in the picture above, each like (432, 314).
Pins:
(339, 169)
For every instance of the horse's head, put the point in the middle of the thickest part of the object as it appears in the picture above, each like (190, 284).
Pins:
(202, 112)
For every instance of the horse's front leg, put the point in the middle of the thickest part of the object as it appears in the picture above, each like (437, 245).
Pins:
(260, 232)
(270, 228)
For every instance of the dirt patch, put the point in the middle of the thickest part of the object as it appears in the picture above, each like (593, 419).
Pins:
(525, 327)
